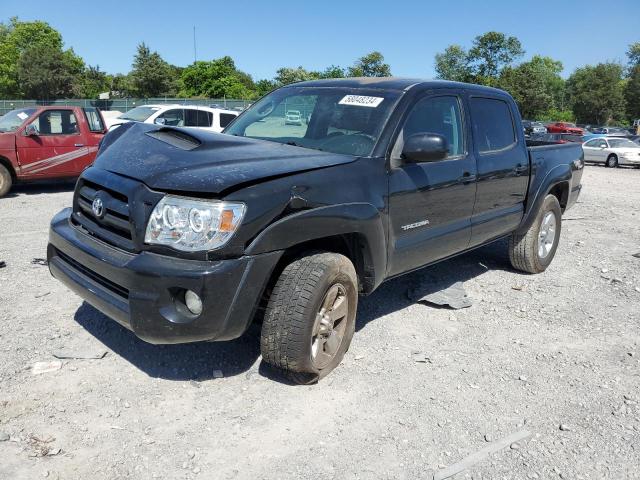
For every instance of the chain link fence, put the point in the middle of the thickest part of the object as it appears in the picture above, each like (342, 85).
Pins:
(124, 104)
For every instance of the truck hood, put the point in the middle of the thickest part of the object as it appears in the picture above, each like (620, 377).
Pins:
(193, 160)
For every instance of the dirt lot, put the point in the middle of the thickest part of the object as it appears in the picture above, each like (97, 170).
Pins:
(533, 353)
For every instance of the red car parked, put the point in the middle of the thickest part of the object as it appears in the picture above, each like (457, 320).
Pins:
(47, 142)
(564, 127)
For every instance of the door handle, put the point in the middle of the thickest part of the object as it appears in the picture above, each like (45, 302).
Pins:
(520, 169)
(467, 177)
(79, 145)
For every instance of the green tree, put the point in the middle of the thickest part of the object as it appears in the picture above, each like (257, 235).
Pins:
(287, 75)
(119, 85)
(633, 54)
(150, 75)
(596, 93)
(333, 71)
(493, 51)
(44, 73)
(453, 64)
(265, 86)
(16, 38)
(91, 82)
(490, 53)
(535, 85)
(632, 88)
(370, 65)
(216, 79)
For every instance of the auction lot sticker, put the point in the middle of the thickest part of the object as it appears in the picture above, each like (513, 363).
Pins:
(361, 101)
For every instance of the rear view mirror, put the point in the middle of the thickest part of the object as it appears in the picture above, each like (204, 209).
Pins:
(31, 130)
(160, 121)
(425, 147)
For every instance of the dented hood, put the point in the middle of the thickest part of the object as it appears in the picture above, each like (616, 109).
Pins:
(192, 160)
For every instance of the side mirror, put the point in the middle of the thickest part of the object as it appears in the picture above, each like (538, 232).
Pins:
(425, 147)
(160, 121)
(31, 130)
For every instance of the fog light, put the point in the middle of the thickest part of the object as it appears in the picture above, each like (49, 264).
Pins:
(193, 302)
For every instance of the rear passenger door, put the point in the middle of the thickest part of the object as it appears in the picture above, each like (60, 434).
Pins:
(503, 168)
(431, 203)
(171, 118)
(592, 149)
(198, 118)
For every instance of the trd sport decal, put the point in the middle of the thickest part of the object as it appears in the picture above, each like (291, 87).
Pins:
(57, 160)
(415, 225)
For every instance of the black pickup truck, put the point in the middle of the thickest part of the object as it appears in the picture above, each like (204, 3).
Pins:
(182, 235)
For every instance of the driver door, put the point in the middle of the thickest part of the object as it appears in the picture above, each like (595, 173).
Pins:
(54, 148)
(431, 203)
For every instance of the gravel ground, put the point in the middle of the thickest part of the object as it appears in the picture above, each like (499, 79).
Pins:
(555, 354)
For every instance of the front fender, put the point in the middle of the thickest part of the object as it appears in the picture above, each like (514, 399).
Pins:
(349, 218)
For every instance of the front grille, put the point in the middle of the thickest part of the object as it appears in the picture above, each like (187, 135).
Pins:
(114, 225)
(99, 279)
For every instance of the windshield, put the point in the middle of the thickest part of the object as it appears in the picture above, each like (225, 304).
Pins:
(622, 143)
(337, 120)
(10, 121)
(139, 114)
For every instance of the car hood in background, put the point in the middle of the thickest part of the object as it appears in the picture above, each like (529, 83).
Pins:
(219, 163)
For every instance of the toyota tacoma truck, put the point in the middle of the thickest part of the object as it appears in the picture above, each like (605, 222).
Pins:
(191, 236)
(42, 143)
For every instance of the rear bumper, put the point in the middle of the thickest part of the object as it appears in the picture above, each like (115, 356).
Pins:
(144, 291)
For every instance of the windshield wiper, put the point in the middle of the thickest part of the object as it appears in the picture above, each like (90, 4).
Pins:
(291, 142)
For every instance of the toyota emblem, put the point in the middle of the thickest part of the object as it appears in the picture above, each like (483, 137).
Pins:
(97, 207)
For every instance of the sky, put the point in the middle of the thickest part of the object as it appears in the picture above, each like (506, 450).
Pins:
(262, 36)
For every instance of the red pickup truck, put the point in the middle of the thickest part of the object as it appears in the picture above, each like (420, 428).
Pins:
(38, 143)
(564, 127)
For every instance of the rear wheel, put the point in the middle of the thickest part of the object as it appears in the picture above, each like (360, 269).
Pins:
(5, 180)
(533, 251)
(310, 318)
(612, 161)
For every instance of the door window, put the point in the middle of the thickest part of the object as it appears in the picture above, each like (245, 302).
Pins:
(439, 115)
(197, 118)
(56, 122)
(596, 143)
(226, 119)
(94, 119)
(492, 123)
(173, 118)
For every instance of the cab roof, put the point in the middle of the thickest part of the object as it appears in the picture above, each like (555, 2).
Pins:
(393, 83)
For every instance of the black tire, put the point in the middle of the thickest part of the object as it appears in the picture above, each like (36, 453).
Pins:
(5, 180)
(294, 312)
(525, 251)
(612, 161)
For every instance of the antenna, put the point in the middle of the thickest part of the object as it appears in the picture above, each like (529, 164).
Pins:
(195, 52)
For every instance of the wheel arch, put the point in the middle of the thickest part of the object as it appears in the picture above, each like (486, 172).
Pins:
(4, 161)
(558, 185)
(354, 230)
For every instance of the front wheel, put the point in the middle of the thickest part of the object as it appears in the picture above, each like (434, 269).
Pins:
(533, 251)
(310, 317)
(612, 161)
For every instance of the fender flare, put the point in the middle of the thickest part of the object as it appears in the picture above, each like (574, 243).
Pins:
(362, 219)
(548, 183)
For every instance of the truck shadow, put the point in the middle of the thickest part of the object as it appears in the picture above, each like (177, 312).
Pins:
(405, 290)
(199, 361)
(182, 362)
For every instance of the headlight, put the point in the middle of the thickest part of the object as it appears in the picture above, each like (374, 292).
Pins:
(193, 225)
